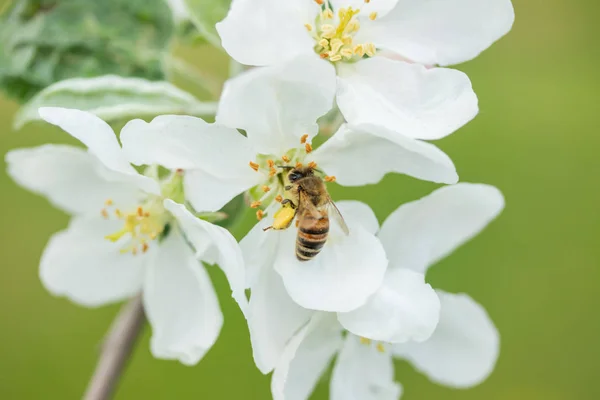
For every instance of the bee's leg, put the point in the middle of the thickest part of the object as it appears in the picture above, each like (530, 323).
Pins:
(288, 201)
(288, 188)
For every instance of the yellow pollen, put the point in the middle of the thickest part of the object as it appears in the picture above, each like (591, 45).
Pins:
(336, 45)
(272, 171)
(373, 16)
(253, 165)
(380, 348)
(370, 49)
(279, 199)
(335, 58)
(270, 163)
(285, 159)
(346, 53)
(359, 50)
(324, 55)
(265, 188)
(255, 204)
(140, 212)
(312, 164)
(328, 31)
(108, 202)
(367, 1)
(330, 178)
(308, 147)
(299, 165)
(324, 43)
(260, 214)
(144, 247)
(303, 138)
(104, 213)
(308, 27)
(365, 341)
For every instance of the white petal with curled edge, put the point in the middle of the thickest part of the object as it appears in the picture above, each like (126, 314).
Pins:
(265, 32)
(420, 233)
(207, 192)
(180, 303)
(93, 132)
(410, 99)
(306, 358)
(441, 32)
(381, 7)
(277, 105)
(359, 212)
(361, 155)
(71, 178)
(80, 264)
(361, 372)
(214, 244)
(273, 319)
(404, 308)
(341, 277)
(463, 349)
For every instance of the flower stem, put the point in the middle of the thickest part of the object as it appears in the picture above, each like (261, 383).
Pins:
(116, 350)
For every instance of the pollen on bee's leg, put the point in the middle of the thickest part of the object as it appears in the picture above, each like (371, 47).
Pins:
(260, 214)
(255, 204)
(278, 198)
(380, 348)
(253, 165)
(304, 138)
(266, 189)
(312, 164)
(330, 178)
(364, 340)
(308, 147)
(285, 159)
(104, 213)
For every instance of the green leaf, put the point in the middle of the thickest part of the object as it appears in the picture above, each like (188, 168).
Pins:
(205, 14)
(114, 98)
(46, 41)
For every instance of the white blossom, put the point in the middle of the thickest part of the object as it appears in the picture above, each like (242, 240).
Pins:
(128, 236)
(382, 52)
(461, 352)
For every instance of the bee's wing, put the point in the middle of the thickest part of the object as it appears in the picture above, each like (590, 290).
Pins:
(305, 205)
(337, 215)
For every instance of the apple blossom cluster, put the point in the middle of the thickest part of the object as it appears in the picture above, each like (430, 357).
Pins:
(142, 203)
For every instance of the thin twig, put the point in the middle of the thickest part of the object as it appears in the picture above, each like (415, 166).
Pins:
(117, 348)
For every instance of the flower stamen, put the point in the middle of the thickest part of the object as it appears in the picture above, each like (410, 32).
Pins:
(253, 165)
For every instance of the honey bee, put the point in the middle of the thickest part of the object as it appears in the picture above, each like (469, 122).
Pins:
(312, 208)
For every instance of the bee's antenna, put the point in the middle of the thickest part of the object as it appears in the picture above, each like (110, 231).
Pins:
(288, 167)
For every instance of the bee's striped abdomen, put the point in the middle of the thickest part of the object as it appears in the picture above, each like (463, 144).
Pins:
(312, 235)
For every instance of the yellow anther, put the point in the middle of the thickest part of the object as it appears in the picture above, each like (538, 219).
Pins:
(140, 212)
(324, 55)
(308, 148)
(328, 31)
(373, 16)
(336, 45)
(144, 247)
(260, 214)
(364, 340)
(346, 53)
(320, 2)
(304, 138)
(108, 202)
(265, 188)
(353, 26)
(299, 165)
(359, 50)
(324, 43)
(253, 165)
(370, 49)
(312, 164)
(279, 199)
(147, 214)
(104, 213)
(367, 1)
(380, 348)
(308, 27)
(270, 163)
(330, 178)
(285, 159)
(335, 58)
(272, 171)
(255, 204)
(347, 40)
(118, 213)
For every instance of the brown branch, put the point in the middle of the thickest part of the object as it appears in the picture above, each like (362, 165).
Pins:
(117, 348)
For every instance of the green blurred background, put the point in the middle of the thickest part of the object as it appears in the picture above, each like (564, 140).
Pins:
(535, 269)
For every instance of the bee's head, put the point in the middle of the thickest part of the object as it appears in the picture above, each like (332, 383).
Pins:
(296, 174)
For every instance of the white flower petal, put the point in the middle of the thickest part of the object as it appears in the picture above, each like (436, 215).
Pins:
(273, 319)
(96, 134)
(306, 358)
(463, 349)
(359, 212)
(363, 373)
(354, 156)
(404, 308)
(180, 303)
(420, 233)
(259, 249)
(207, 192)
(214, 244)
(277, 105)
(381, 7)
(341, 277)
(264, 32)
(71, 178)
(407, 98)
(80, 264)
(442, 32)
